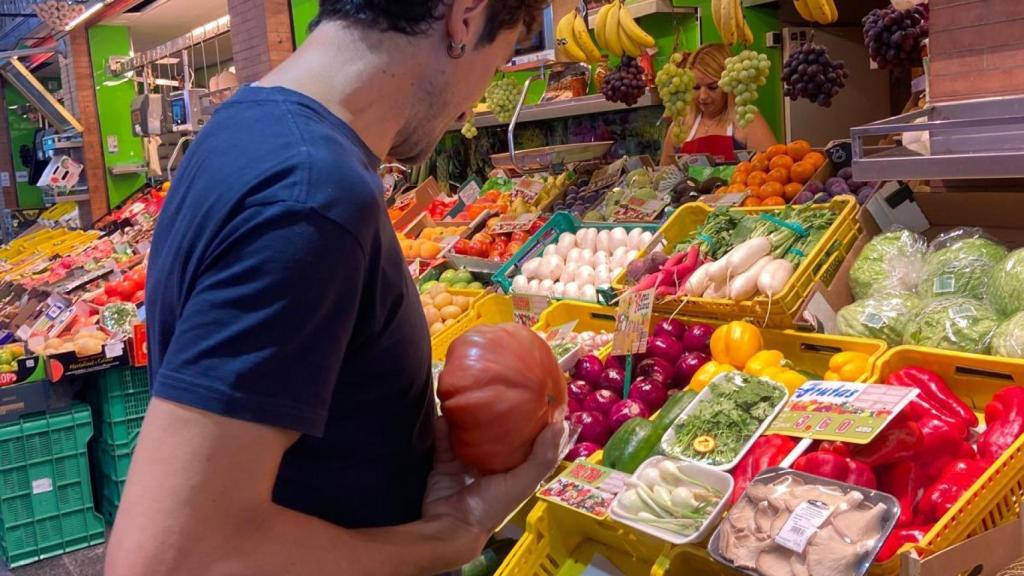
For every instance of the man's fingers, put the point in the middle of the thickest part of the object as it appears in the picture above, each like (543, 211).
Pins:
(525, 478)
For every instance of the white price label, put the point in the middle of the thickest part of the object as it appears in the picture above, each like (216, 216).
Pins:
(42, 485)
(470, 192)
(963, 311)
(802, 524)
(944, 284)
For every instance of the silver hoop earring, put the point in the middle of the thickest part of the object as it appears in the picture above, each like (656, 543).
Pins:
(456, 51)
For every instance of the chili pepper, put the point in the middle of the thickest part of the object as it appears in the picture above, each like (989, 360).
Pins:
(735, 343)
(900, 536)
(937, 436)
(897, 442)
(903, 480)
(935, 390)
(767, 451)
(848, 367)
(706, 374)
(861, 475)
(1004, 418)
(958, 476)
(841, 448)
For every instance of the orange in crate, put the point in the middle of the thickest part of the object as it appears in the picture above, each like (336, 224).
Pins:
(780, 175)
(751, 202)
(802, 171)
(775, 150)
(759, 163)
(738, 177)
(772, 189)
(792, 190)
(734, 188)
(755, 191)
(781, 161)
(797, 149)
(757, 178)
(743, 167)
(774, 201)
(815, 158)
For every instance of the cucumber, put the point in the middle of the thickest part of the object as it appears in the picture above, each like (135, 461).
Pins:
(631, 444)
(668, 414)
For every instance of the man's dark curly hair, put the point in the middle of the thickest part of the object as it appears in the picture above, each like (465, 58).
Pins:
(413, 17)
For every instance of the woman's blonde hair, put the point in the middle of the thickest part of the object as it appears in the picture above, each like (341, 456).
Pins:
(709, 60)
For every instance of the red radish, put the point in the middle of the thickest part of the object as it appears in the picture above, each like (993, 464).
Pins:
(670, 327)
(664, 347)
(588, 369)
(593, 427)
(649, 392)
(581, 450)
(698, 338)
(656, 368)
(625, 410)
(579, 390)
(613, 379)
(687, 366)
(601, 401)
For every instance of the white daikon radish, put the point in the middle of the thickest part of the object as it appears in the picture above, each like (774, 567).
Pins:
(550, 250)
(716, 290)
(551, 268)
(602, 241)
(531, 267)
(588, 293)
(742, 257)
(698, 281)
(717, 271)
(774, 276)
(744, 286)
(585, 275)
(520, 283)
(634, 238)
(546, 286)
(619, 238)
(572, 290)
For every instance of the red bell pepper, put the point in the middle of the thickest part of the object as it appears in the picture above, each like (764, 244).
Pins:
(840, 448)
(958, 476)
(767, 451)
(938, 436)
(861, 475)
(837, 467)
(1004, 418)
(934, 391)
(897, 442)
(898, 537)
(903, 480)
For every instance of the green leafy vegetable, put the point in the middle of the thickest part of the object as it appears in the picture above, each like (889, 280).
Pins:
(730, 414)
(960, 324)
(1006, 289)
(882, 317)
(890, 263)
(962, 268)
(1008, 340)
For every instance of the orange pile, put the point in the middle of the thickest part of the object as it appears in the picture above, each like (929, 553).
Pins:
(776, 176)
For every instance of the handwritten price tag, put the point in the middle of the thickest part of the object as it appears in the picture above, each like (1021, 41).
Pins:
(505, 226)
(638, 210)
(404, 200)
(632, 322)
(527, 308)
(528, 190)
(469, 192)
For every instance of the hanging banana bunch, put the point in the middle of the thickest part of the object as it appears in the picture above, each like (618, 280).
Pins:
(573, 39)
(731, 24)
(818, 11)
(618, 33)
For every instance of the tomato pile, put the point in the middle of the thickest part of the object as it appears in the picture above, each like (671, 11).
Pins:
(131, 288)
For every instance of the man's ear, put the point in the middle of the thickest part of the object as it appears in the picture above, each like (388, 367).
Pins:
(466, 20)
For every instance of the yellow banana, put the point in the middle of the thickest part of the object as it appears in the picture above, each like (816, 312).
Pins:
(634, 31)
(804, 10)
(716, 14)
(728, 30)
(582, 34)
(565, 39)
(738, 20)
(611, 31)
(748, 35)
(819, 10)
(628, 46)
(834, 12)
(599, 27)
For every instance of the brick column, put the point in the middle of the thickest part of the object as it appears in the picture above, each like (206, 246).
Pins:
(261, 36)
(84, 90)
(976, 49)
(10, 192)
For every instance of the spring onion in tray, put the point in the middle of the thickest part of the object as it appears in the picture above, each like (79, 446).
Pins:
(664, 497)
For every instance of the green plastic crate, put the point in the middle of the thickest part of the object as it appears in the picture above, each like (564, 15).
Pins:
(46, 504)
(120, 399)
(110, 474)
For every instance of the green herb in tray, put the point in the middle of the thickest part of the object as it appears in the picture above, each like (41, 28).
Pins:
(724, 421)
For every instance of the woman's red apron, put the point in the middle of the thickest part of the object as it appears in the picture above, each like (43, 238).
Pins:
(718, 146)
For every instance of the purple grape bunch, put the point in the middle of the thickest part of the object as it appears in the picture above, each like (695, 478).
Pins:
(625, 84)
(894, 37)
(810, 73)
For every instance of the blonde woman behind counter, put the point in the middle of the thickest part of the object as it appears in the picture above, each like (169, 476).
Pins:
(711, 123)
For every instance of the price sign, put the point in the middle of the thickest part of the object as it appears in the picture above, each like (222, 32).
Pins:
(469, 192)
(414, 268)
(724, 200)
(506, 225)
(586, 488)
(527, 189)
(404, 200)
(527, 308)
(694, 160)
(498, 173)
(638, 210)
(841, 411)
(632, 322)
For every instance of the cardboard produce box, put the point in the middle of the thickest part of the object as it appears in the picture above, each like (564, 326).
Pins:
(987, 554)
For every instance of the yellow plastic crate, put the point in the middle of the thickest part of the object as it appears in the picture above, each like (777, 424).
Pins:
(588, 317)
(690, 560)
(821, 264)
(996, 497)
(489, 309)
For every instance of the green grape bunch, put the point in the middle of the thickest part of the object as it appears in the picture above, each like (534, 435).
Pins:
(675, 88)
(503, 97)
(744, 73)
(469, 128)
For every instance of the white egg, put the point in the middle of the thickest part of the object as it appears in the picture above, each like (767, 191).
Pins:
(566, 243)
(553, 267)
(573, 256)
(589, 239)
(601, 258)
(633, 239)
(581, 237)
(531, 267)
(602, 275)
(601, 245)
(520, 283)
(618, 238)
(645, 239)
(546, 286)
(558, 290)
(586, 257)
(588, 293)
(572, 290)
(567, 236)
(584, 275)
(534, 287)
(550, 249)
(569, 272)
(631, 255)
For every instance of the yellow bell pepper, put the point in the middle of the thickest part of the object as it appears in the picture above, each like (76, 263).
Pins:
(735, 343)
(788, 377)
(848, 367)
(707, 373)
(759, 363)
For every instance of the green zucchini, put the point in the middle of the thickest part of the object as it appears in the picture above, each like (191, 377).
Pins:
(673, 407)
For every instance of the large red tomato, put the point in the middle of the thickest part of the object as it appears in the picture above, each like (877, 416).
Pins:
(500, 387)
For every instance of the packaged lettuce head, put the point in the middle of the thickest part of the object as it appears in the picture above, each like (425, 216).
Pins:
(1008, 340)
(1006, 288)
(879, 317)
(953, 323)
(890, 263)
(960, 263)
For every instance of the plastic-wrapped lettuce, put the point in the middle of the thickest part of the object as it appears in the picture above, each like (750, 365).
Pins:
(1006, 289)
(953, 323)
(1008, 340)
(960, 263)
(880, 317)
(890, 263)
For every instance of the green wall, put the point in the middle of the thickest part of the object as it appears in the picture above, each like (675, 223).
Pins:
(114, 106)
(303, 12)
(23, 133)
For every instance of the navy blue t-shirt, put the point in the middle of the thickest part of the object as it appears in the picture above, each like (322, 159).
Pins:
(278, 294)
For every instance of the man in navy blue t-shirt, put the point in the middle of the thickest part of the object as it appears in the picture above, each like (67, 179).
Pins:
(292, 425)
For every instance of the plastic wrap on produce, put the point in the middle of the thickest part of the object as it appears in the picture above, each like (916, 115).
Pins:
(880, 317)
(1006, 289)
(1008, 341)
(960, 263)
(890, 263)
(953, 323)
